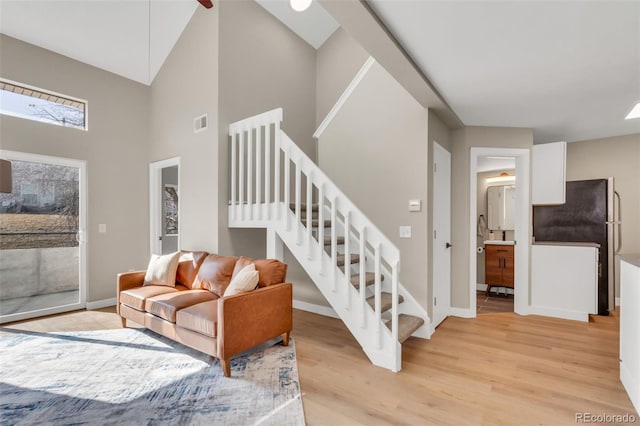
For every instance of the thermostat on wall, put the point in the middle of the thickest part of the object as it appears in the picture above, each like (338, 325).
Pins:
(415, 205)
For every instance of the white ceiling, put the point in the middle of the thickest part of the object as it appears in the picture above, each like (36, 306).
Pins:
(568, 69)
(109, 34)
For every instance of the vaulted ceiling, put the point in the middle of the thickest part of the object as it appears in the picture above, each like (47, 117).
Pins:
(568, 69)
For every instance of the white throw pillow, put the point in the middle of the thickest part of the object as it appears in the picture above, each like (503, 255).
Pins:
(244, 281)
(162, 270)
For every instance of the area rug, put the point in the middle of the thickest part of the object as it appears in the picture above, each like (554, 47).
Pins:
(136, 377)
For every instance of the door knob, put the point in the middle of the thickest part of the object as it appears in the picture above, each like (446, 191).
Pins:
(447, 245)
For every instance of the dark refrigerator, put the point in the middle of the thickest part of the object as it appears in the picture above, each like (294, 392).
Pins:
(590, 214)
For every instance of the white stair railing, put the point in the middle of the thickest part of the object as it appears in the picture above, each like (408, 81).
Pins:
(264, 194)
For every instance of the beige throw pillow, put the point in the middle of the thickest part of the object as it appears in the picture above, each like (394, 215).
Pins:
(244, 281)
(162, 270)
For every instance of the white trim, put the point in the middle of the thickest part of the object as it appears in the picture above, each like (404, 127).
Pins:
(155, 202)
(316, 309)
(40, 313)
(559, 313)
(523, 220)
(101, 304)
(462, 312)
(83, 235)
(617, 301)
(345, 95)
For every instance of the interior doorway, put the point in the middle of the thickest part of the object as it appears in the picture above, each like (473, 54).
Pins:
(164, 197)
(509, 249)
(42, 237)
(496, 184)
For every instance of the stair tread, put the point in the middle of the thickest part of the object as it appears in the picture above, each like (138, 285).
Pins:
(385, 301)
(370, 279)
(303, 207)
(315, 222)
(340, 259)
(407, 324)
(327, 240)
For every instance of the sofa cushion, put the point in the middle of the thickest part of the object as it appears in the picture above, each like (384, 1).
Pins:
(166, 305)
(244, 281)
(215, 273)
(201, 318)
(162, 270)
(271, 272)
(241, 263)
(136, 297)
(188, 266)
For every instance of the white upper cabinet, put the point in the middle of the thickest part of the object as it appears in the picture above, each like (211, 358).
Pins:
(549, 173)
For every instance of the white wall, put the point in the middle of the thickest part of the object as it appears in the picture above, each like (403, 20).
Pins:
(115, 148)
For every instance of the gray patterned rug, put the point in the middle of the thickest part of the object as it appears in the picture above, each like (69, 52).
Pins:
(136, 377)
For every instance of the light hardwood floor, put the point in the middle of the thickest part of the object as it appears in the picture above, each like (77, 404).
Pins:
(498, 369)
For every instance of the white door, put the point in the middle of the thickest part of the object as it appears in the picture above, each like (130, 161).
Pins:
(441, 234)
(165, 206)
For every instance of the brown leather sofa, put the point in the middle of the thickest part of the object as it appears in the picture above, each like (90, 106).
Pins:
(196, 314)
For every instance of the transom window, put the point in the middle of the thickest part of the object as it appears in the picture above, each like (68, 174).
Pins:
(23, 101)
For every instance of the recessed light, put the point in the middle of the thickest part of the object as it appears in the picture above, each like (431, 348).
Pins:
(300, 5)
(635, 112)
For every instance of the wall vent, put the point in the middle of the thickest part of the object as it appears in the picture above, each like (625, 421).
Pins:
(200, 123)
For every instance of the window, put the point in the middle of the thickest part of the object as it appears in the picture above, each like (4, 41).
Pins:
(20, 100)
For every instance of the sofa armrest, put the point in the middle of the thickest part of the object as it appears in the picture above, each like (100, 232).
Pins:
(126, 281)
(248, 319)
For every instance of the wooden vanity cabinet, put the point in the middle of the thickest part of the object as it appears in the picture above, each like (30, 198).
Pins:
(498, 265)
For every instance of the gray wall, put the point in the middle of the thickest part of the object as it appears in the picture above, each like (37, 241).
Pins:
(337, 62)
(265, 66)
(462, 141)
(380, 137)
(187, 87)
(617, 157)
(115, 148)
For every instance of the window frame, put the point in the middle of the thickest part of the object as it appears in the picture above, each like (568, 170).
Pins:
(52, 93)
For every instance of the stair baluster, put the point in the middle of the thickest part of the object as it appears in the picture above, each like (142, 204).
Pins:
(288, 224)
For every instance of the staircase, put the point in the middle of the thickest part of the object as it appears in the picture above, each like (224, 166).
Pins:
(276, 186)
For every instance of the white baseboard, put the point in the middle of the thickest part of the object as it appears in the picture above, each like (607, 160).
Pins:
(316, 309)
(559, 313)
(617, 301)
(101, 304)
(462, 312)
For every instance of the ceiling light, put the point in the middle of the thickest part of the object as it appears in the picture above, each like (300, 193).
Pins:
(300, 5)
(635, 112)
(504, 177)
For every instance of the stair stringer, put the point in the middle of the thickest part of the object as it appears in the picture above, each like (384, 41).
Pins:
(375, 342)
(379, 352)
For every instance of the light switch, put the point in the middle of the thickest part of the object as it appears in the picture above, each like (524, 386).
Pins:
(405, 232)
(415, 205)
(102, 228)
